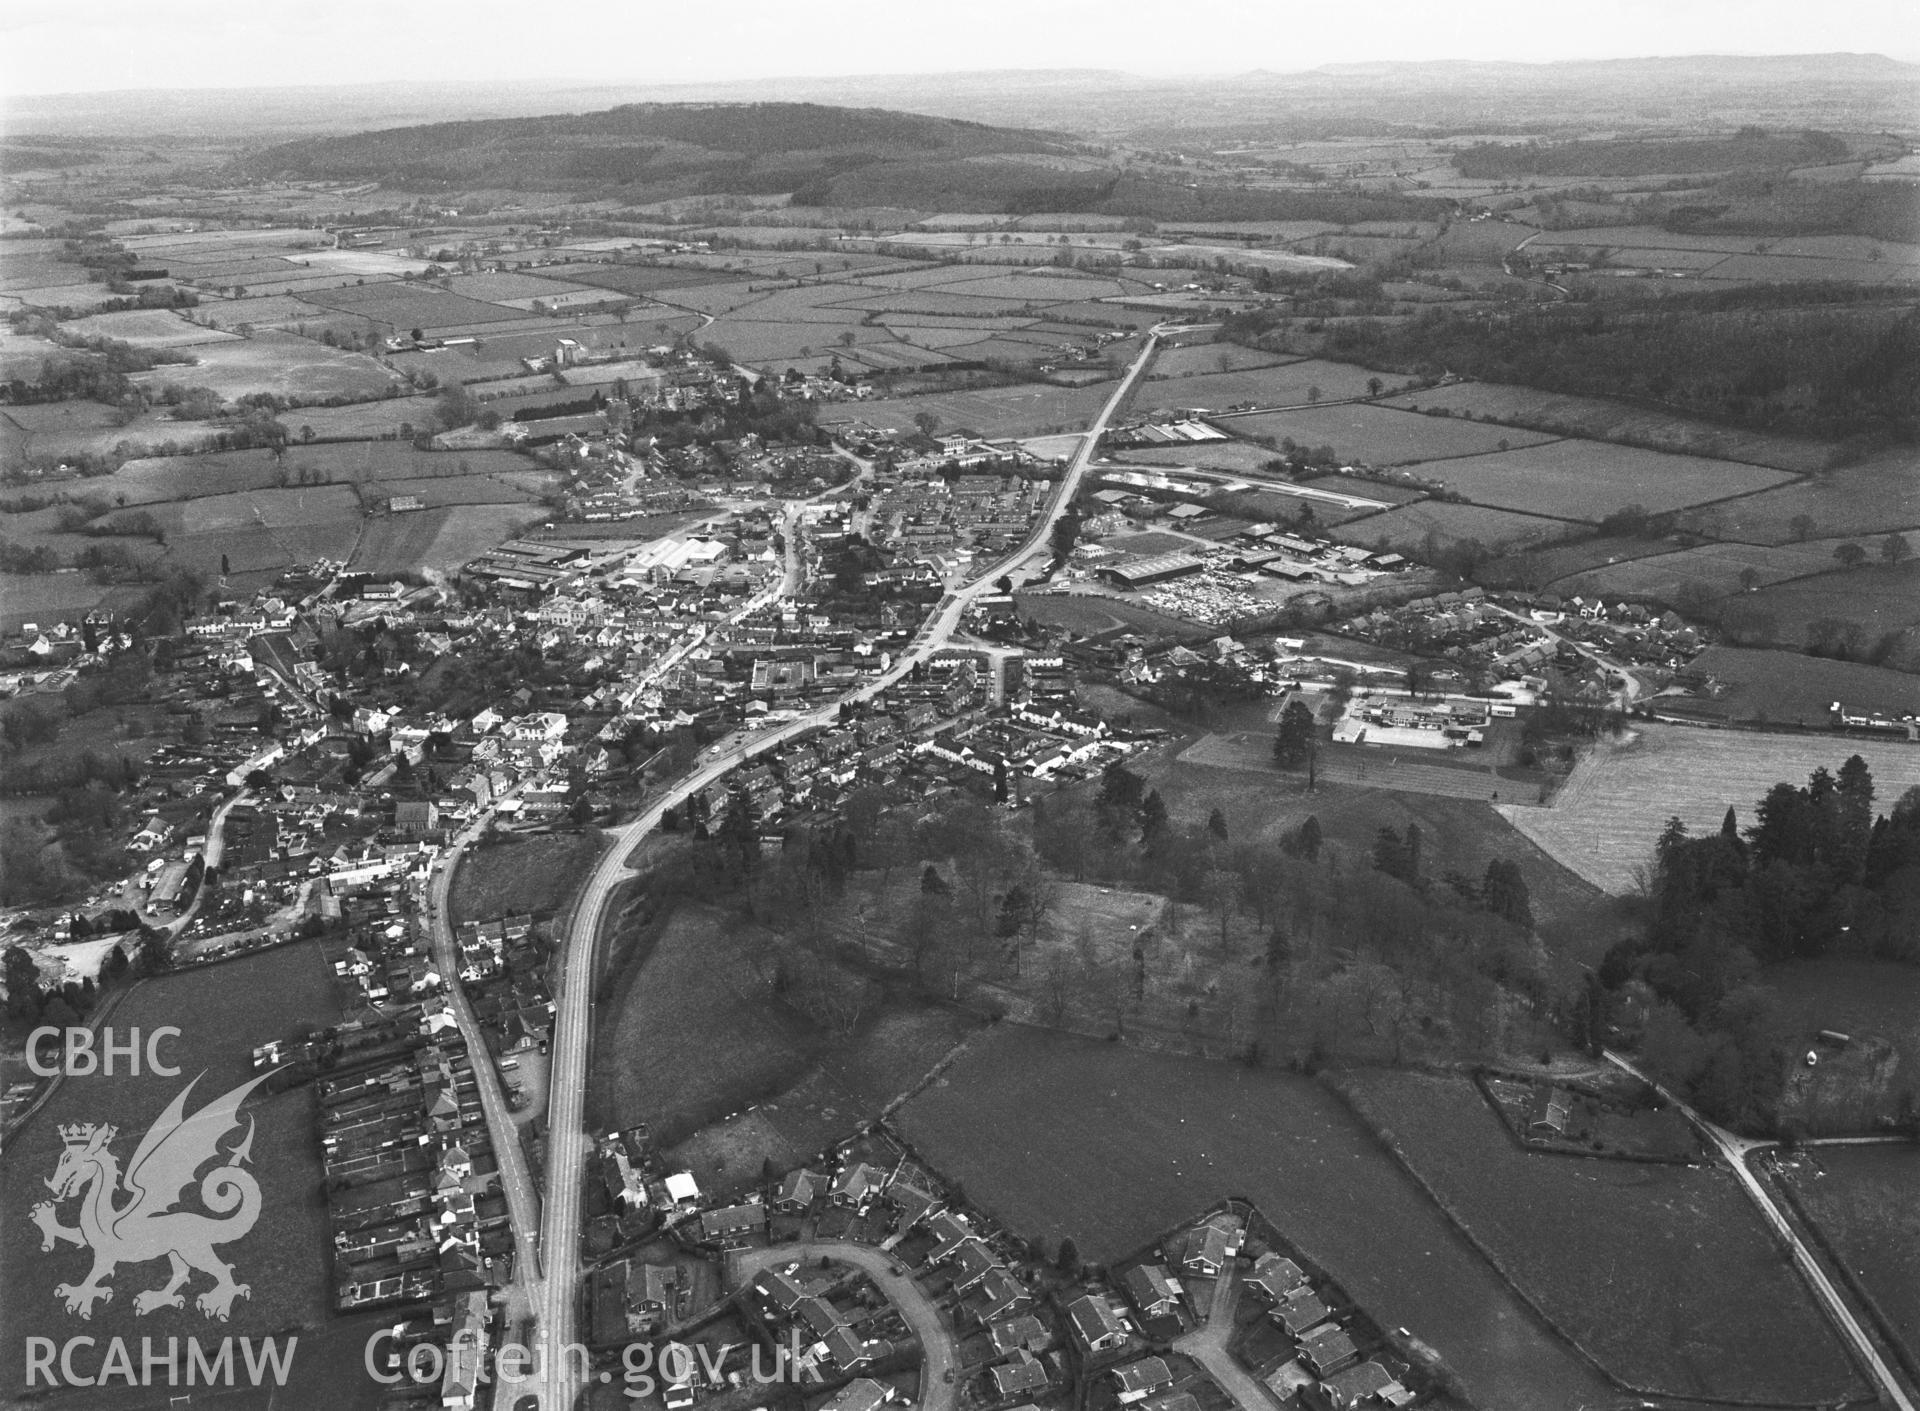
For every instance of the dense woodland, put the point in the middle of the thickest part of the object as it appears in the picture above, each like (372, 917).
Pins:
(1790, 358)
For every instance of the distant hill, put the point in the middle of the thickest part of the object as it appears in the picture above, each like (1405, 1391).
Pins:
(659, 149)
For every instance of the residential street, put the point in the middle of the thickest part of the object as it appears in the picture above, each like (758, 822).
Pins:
(1207, 1345)
(939, 1381)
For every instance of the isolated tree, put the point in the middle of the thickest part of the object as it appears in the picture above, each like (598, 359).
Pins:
(1504, 892)
(1217, 825)
(1153, 818)
(1314, 394)
(1294, 742)
(1374, 385)
(927, 422)
(1306, 839)
(1894, 549)
(1850, 554)
(1802, 527)
(1068, 1259)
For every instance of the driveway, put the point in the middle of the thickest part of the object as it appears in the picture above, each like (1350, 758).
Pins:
(939, 1379)
(1207, 1345)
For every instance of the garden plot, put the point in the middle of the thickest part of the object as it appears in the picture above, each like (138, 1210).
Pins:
(1381, 436)
(1589, 479)
(1604, 821)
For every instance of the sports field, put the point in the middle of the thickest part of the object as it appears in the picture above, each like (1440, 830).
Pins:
(1058, 1135)
(1605, 819)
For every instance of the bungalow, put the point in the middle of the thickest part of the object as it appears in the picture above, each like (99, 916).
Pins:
(1139, 1380)
(849, 1351)
(1299, 1310)
(1274, 1277)
(780, 1290)
(913, 1203)
(1326, 1350)
(798, 1190)
(733, 1221)
(1025, 1331)
(1205, 1249)
(855, 1184)
(1022, 1373)
(649, 1294)
(1096, 1327)
(1368, 1382)
(1152, 1290)
(1000, 1293)
(972, 1262)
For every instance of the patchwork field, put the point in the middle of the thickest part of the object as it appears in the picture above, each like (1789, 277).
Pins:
(1616, 421)
(1664, 1274)
(1605, 819)
(1057, 1136)
(1589, 479)
(1383, 436)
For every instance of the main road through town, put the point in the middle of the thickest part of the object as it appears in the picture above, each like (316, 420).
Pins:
(561, 1378)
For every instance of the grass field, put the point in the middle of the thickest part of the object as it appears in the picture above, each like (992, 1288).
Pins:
(1191, 359)
(1718, 566)
(1616, 421)
(1382, 436)
(1877, 495)
(1408, 526)
(223, 1011)
(407, 306)
(440, 539)
(1285, 385)
(1866, 1202)
(525, 875)
(1064, 1136)
(1862, 998)
(1664, 1274)
(1789, 687)
(1028, 409)
(148, 328)
(1882, 600)
(280, 363)
(1589, 479)
(1605, 819)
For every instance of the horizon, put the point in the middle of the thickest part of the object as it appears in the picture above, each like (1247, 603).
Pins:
(205, 46)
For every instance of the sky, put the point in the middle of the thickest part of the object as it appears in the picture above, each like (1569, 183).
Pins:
(61, 46)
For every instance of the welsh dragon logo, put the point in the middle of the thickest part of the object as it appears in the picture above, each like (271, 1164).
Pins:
(144, 1225)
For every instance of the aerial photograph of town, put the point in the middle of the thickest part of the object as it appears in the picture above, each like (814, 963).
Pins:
(1025, 707)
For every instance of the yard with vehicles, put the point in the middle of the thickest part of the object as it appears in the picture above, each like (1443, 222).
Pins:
(222, 1012)
(1061, 1136)
(1376, 435)
(1662, 1273)
(1604, 820)
(1861, 1204)
(1590, 480)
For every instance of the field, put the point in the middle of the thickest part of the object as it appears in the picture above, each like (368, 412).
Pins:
(440, 539)
(148, 328)
(1383, 436)
(1787, 686)
(1093, 612)
(1409, 525)
(1605, 819)
(526, 875)
(1882, 600)
(1191, 359)
(1877, 495)
(1286, 385)
(1862, 998)
(1029, 409)
(404, 306)
(1664, 1274)
(224, 1011)
(1717, 566)
(1063, 1136)
(46, 598)
(1588, 479)
(1865, 1201)
(280, 363)
(1616, 421)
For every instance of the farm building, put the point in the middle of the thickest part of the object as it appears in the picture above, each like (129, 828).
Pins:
(1551, 1107)
(1160, 568)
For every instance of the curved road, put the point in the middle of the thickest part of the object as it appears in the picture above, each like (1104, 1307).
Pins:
(939, 1365)
(1734, 1151)
(568, 1143)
